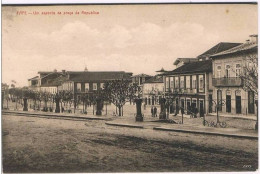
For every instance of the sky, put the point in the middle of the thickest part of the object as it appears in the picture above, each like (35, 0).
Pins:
(132, 38)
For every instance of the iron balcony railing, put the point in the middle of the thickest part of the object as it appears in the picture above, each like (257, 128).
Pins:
(227, 81)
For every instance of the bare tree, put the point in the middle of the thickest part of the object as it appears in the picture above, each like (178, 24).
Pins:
(249, 75)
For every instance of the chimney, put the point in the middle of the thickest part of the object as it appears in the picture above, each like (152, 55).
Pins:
(55, 70)
(254, 38)
(86, 69)
(63, 71)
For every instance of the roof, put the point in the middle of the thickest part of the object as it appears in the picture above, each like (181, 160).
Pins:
(184, 60)
(200, 66)
(222, 46)
(55, 82)
(36, 77)
(155, 79)
(240, 48)
(142, 75)
(88, 76)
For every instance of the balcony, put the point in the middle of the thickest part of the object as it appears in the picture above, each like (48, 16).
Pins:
(227, 82)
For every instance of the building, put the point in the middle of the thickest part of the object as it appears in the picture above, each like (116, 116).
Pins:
(222, 46)
(183, 61)
(190, 85)
(140, 78)
(228, 66)
(153, 90)
(47, 81)
(81, 82)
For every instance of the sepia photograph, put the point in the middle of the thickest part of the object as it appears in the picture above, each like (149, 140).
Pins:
(113, 88)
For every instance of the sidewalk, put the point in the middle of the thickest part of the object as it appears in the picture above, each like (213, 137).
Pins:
(153, 123)
(193, 125)
(58, 115)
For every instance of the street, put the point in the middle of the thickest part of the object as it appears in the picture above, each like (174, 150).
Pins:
(56, 145)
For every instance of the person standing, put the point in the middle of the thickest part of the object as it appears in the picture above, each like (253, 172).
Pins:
(152, 111)
(155, 111)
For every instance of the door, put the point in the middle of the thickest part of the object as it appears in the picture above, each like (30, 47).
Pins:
(188, 107)
(210, 103)
(251, 108)
(201, 108)
(228, 103)
(238, 104)
(152, 100)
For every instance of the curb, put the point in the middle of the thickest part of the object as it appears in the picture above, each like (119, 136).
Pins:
(53, 116)
(124, 125)
(206, 133)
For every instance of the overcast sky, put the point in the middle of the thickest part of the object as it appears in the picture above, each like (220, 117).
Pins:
(133, 38)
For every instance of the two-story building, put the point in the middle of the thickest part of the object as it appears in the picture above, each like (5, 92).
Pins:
(47, 81)
(81, 82)
(139, 79)
(191, 83)
(228, 66)
(153, 90)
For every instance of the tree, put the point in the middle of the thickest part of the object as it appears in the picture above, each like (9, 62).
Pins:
(119, 92)
(249, 76)
(45, 97)
(85, 100)
(66, 97)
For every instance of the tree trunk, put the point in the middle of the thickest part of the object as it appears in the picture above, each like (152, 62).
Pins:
(83, 107)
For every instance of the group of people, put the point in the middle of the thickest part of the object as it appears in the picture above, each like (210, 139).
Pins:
(154, 111)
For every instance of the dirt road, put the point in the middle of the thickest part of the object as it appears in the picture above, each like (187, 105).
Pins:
(52, 145)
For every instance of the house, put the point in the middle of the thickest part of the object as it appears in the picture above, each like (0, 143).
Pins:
(183, 61)
(190, 86)
(139, 79)
(228, 66)
(153, 90)
(47, 81)
(81, 82)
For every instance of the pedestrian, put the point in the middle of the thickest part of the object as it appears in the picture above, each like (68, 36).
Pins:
(155, 111)
(152, 111)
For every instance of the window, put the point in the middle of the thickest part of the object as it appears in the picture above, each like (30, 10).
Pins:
(182, 82)
(78, 87)
(94, 86)
(102, 85)
(201, 82)
(176, 82)
(194, 82)
(218, 71)
(188, 82)
(171, 82)
(238, 70)
(227, 71)
(86, 87)
(167, 83)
